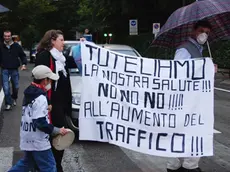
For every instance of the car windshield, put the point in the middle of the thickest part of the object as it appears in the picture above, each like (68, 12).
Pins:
(127, 52)
(67, 51)
(67, 48)
(68, 45)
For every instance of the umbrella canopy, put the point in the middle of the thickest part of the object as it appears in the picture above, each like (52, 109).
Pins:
(3, 9)
(179, 25)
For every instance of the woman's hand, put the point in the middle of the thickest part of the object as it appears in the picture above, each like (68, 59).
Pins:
(49, 108)
(82, 39)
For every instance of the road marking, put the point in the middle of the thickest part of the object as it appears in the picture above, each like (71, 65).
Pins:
(6, 158)
(1, 98)
(216, 132)
(221, 89)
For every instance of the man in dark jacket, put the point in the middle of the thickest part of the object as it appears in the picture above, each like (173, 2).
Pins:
(10, 53)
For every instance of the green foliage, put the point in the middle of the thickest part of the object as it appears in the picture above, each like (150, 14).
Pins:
(221, 54)
(29, 35)
(3, 21)
(31, 9)
(31, 18)
(92, 14)
(64, 18)
(32, 13)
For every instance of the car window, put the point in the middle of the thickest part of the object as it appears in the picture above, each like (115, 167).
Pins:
(67, 47)
(127, 52)
(74, 72)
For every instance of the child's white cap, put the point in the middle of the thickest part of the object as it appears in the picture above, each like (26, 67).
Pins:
(42, 72)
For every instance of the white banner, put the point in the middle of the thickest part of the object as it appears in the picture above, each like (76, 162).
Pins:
(157, 107)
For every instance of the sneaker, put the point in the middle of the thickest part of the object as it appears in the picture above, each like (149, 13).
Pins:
(8, 107)
(14, 103)
(169, 170)
(191, 170)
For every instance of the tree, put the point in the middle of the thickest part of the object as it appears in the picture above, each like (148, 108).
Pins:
(93, 14)
(221, 53)
(33, 14)
(65, 17)
(27, 19)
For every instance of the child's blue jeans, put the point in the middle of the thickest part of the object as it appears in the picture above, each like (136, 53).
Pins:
(44, 160)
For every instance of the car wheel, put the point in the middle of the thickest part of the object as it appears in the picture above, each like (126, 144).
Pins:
(72, 124)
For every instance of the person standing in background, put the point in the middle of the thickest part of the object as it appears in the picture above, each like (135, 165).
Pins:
(88, 36)
(10, 52)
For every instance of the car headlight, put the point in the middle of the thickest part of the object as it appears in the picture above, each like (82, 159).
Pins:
(76, 98)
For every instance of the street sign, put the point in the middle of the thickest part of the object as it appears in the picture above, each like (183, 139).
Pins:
(156, 28)
(133, 27)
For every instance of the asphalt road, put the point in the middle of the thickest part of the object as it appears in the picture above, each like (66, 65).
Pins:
(101, 157)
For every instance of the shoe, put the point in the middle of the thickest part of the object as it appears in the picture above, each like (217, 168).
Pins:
(8, 107)
(178, 170)
(191, 170)
(14, 103)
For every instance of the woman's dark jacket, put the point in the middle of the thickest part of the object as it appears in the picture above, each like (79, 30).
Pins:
(61, 96)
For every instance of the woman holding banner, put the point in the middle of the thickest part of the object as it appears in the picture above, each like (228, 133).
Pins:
(60, 97)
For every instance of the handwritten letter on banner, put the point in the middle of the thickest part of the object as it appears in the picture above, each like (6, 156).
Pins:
(157, 107)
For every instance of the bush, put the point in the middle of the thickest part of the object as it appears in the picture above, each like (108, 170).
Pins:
(221, 54)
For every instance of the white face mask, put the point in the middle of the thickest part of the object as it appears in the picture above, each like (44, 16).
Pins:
(202, 38)
(48, 87)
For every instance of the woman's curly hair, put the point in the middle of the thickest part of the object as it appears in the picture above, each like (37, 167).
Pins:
(46, 41)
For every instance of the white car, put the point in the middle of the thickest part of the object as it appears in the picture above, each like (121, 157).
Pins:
(75, 78)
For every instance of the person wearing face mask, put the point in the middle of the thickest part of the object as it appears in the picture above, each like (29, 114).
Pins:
(60, 96)
(35, 128)
(193, 48)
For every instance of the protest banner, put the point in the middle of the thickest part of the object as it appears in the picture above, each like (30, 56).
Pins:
(157, 107)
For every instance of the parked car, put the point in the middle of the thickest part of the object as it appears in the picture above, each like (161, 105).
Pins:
(123, 49)
(75, 78)
(33, 53)
(68, 45)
